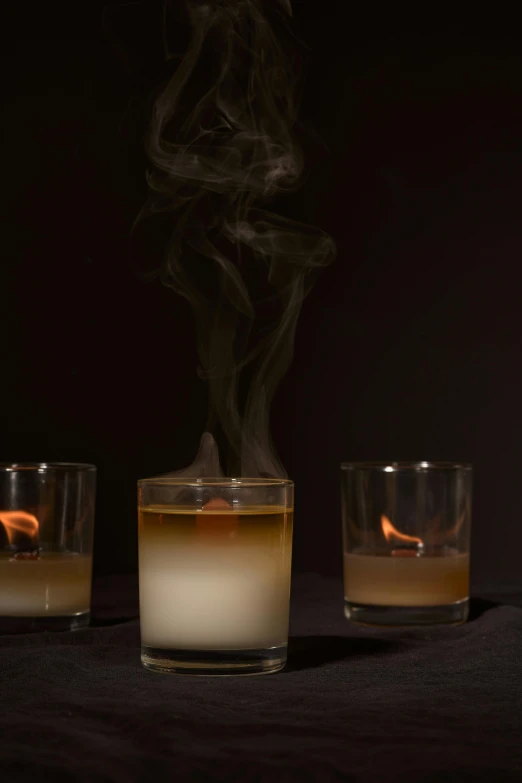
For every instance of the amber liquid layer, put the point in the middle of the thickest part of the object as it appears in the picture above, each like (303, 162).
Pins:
(406, 581)
(57, 584)
(214, 579)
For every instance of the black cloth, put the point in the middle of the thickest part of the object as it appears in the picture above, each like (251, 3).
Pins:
(353, 704)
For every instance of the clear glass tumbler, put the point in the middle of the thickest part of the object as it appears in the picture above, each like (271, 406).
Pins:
(214, 574)
(406, 536)
(46, 539)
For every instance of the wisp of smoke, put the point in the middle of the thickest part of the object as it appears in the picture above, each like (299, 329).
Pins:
(221, 145)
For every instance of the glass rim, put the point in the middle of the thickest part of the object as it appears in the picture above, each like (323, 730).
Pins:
(401, 465)
(224, 482)
(44, 467)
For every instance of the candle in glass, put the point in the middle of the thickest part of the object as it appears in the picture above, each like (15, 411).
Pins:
(46, 552)
(392, 577)
(215, 561)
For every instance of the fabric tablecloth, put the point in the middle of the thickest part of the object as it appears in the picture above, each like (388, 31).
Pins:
(353, 704)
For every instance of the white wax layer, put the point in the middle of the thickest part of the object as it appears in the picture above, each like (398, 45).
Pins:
(57, 585)
(199, 596)
(406, 581)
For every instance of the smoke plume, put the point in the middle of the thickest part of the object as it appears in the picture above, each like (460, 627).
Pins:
(221, 146)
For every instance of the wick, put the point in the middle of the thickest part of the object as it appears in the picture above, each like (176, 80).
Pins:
(217, 503)
(408, 551)
(26, 554)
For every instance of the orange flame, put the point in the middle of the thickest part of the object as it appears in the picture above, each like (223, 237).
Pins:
(393, 536)
(19, 522)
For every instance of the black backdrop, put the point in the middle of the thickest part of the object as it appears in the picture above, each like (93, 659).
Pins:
(408, 346)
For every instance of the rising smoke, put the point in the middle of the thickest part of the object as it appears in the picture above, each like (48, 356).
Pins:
(221, 146)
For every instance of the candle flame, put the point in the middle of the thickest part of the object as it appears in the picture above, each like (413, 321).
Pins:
(19, 522)
(393, 536)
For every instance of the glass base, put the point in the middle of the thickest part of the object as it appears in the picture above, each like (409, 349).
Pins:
(11, 625)
(367, 614)
(214, 662)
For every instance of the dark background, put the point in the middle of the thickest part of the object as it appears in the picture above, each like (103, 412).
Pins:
(408, 346)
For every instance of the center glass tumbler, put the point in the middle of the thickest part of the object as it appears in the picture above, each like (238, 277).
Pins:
(214, 572)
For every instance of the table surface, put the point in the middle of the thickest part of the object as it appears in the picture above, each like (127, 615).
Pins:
(353, 704)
